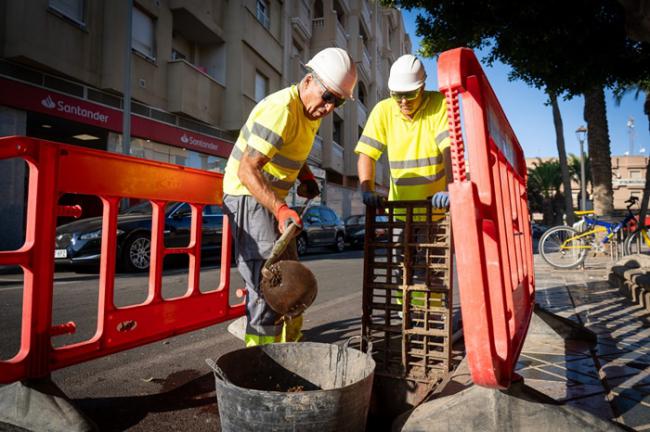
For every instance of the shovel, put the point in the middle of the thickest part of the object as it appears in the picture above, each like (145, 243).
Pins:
(287, 285)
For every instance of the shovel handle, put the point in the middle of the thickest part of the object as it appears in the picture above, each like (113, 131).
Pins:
(281, 244)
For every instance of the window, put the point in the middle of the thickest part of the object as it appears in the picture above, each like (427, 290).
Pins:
(177, 55)
(261, 86)
(329, 217)
(362, 93)
(635, 174)
(73, 9)
(143, 34)
(264, 13)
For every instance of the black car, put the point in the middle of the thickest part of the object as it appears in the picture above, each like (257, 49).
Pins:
(321, 227)
(355, 229)
(79, 242)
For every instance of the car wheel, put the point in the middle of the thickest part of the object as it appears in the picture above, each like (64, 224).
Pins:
(339, 246)
(301, 245)
(136, 253)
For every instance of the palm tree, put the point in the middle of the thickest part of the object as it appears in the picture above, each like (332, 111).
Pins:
(642, 87)
(559, 140)
(574, 170)
(595, 114)
(545, 179)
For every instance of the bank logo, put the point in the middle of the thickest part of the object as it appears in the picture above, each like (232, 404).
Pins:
(48, 102)
(185, 139)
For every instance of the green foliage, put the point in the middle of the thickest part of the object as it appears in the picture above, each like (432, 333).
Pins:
(574, 168)
(545, 177)
(563, 47)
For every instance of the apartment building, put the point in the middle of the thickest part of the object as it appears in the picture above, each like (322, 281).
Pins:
(197, 68)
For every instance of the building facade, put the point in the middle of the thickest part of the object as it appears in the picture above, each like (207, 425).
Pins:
(197, 68)
(628, 179)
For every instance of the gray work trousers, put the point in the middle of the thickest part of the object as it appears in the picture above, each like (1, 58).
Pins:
(254, 231)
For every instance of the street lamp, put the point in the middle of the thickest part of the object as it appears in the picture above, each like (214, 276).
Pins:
(581, 133)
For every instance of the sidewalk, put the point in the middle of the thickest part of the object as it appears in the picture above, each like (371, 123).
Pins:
(610, 379)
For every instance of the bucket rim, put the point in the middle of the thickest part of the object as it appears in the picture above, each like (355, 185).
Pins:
(227, 382)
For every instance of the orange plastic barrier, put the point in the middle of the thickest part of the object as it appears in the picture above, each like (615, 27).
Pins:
(55, 169)
(490, 222)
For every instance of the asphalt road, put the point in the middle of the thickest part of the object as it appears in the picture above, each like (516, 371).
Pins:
(167, 385)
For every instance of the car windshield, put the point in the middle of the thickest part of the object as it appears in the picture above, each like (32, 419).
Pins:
(145, 208)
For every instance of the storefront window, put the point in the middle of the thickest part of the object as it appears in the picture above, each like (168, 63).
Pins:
(151, 150)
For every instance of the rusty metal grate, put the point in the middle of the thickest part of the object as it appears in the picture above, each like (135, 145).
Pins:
(408, 256)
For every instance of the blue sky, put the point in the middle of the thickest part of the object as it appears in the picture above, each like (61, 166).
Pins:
(532, 120)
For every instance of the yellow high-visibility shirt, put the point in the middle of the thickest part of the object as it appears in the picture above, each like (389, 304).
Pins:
(278, 128)
(414, 146)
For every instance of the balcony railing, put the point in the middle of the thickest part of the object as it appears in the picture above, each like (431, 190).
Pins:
(362, 113)
(336, 157)
(341, 35)
(316, 155)
(365, 13)
(192, 92)
(301, 19)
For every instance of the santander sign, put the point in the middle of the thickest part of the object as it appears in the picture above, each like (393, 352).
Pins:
(74, 109)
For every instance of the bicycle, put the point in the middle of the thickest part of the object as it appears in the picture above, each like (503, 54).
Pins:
(566, 247)
(638, 242)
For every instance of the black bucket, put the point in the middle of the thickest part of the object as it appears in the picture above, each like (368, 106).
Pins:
(294, 387)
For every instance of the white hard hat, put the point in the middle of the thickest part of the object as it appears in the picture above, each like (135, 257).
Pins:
(336, 69)
(406, 74)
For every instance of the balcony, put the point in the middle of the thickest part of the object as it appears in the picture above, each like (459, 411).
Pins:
(192, 92)
(336, 158)
(365, 13)
(316, 155)
(301, 19)
(341, 35)
(197, 21)
(366, 61)
(362, 113)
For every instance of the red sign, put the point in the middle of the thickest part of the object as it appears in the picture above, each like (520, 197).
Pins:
(52, 103)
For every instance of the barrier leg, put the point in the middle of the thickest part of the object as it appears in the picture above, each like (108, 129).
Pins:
(40, 405)
(520, 408)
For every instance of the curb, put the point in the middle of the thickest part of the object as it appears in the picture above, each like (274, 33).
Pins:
(631, 275)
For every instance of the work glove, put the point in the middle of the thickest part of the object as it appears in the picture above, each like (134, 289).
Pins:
(373, 199)
(308, 187)
(285, 215)
(440, 200)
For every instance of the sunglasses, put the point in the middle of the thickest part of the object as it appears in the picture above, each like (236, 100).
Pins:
(328, 96)
(409, 96)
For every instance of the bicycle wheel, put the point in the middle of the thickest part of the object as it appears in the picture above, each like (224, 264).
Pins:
(560, 248)
(638, 242)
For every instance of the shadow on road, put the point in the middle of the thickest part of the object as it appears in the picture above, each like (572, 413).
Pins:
(177, 393)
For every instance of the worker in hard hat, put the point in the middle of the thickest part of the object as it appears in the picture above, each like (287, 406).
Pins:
(411, 126)
(269, 156)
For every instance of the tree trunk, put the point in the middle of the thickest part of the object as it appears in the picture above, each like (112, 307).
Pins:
(561, 151)
(547, 212)
(599, 151)
(646, 190)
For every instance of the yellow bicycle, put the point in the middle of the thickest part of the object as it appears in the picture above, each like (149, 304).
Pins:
(566, 247)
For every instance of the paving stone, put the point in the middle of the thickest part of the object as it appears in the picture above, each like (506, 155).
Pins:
(597, 405)
(632, 412)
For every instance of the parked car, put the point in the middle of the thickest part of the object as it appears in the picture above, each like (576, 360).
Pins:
(355, 229)
(79, 242)
(321, 227)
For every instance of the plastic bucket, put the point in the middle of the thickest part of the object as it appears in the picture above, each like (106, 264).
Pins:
(294, 387)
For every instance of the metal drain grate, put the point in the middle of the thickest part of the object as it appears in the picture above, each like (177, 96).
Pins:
(408, 256)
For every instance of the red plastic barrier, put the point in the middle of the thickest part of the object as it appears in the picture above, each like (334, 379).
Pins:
(55, 169)
(490, 222)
